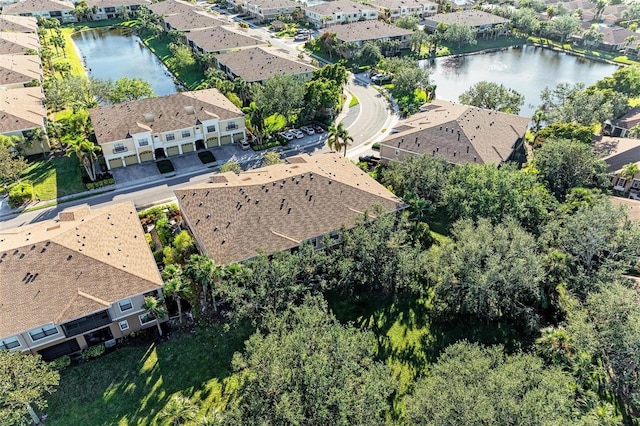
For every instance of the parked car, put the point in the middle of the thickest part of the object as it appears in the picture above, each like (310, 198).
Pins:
(308, 130)
(245, 145)
(301, 37)
(303, 31)
(287, 135)
(297, 133)
(380, 78)
(318, 128)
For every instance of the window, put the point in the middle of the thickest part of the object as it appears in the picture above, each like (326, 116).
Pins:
(146, 319)
(110, 9)
(186, 133)
(124, 325)
(9, 343)
(143, 142)
(170, 137)
(622, 182)
(85, 324)
(636, 184)
(125, 305)
(231, 126)
(42, 332)
(211, 129)
(397, 152)
(119, 147)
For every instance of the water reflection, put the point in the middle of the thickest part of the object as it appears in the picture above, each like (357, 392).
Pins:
(527, 70)
(117, 52)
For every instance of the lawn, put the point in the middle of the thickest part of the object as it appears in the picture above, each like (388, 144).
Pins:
(132, 384)
(68, 53)
(354, 101)
(54, 177)
(190, 76)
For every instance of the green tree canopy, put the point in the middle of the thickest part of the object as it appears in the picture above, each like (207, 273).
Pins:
(486, 94)
(25, 380)
(571, 131)
(565, 164)
(489, 272)
(485, 191)
(282, 94)
(471, 384)
(130, 89)
(460, 34)
(11, 164)
(306, 368)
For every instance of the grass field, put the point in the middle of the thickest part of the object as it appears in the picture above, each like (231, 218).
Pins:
(132, 384)
(354, 101)
(191, 76)
(54, 177)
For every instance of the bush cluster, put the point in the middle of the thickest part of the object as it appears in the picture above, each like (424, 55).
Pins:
(100, 183)
(93, 352)
(20, 193)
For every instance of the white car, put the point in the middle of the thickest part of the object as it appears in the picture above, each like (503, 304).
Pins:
(288, 136)
(308, 130)
(297, 133)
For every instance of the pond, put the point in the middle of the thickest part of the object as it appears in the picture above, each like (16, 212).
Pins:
(528, 70)
(117, 52)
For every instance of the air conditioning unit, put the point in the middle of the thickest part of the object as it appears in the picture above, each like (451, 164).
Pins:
(110, 343)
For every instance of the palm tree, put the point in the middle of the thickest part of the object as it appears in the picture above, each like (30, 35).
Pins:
(176, 286)
(179, 410)
(205, 272)
(85, 150)
(155, 309)
(257, 115)
(339, 138)
(241, 88)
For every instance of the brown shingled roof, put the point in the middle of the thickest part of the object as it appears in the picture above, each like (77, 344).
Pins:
(460, 133)
(171, 112)
(18, 24)
(171, 7)
(55, 271)
(17, 69)
(365, 30)
(396, 4)
(18, 43)
(192, 20)
(338, 6)
(29, 6)
(258, 64)
(217, 39)
(117, 3)
(21, 109)
(475, 18)
(278, 207)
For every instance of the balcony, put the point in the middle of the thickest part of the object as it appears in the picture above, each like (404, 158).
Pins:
(119, 149)
(232, 126)
(85, 324)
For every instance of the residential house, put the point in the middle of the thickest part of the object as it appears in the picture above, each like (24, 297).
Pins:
(357, 33)
(171, 7)
(111, 9)
(483, 22)
(616, 38)
(148, 129)
(192, 20)
(339, 12)
(268, 10)
(621, 126)
(617, 152)
(20, 71)
(219, 40)
(256, 65)
(586, 8)
(613, 14)
(58, 9)
(279, 207)
(76, 281)
(18, 43)
(21, 111)
(394, 9)
(459, 134)
(18, 24)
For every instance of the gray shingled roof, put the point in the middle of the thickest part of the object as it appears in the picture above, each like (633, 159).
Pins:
(218, 39)
(193, 19)
(475, 18)
(365, 30)
(18, 24)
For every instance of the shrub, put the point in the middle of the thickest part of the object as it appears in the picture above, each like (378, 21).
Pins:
(159, 257)
(93, 352)
(376, 146)
(152, 245)
(20, 194)
(164, 229)
(155, 211)
(61, 363)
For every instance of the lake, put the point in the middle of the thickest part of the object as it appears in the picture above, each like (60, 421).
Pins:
(115, 53)
(528, 70)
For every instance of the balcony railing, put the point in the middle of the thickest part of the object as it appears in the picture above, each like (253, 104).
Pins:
(232, 126)
(119, 149)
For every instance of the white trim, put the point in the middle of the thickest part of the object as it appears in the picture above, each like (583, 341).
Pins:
(11, 340)
(41, 328)
(130, 304)
(128, 314)
(124, 323)
(147, 322)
